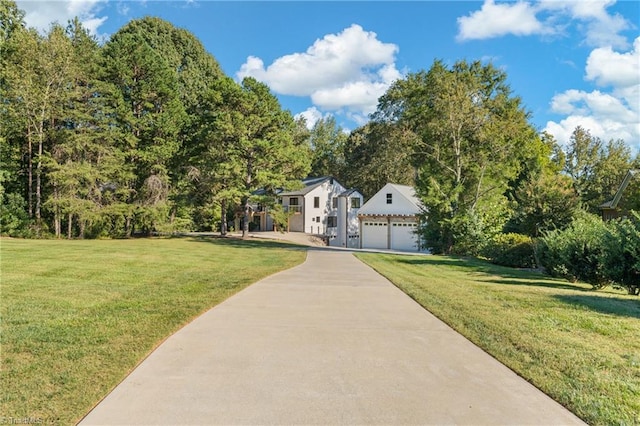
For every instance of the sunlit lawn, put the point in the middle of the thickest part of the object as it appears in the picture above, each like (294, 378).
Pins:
(77, 316)
(579, 346)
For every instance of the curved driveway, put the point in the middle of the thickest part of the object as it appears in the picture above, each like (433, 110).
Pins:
(328, 342)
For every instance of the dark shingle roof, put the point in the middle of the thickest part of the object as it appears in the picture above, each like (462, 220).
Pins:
(309, 185)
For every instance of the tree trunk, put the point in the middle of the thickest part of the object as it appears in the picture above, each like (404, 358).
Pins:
(247, 214)
(56, 214)
(127, 226)
(70, 226)
(245, 200)
(39, 178)
(56, 224)
(30, 173)
(223, 218)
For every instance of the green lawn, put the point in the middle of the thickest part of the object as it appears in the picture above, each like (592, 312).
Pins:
(579, 346)
(77, 316)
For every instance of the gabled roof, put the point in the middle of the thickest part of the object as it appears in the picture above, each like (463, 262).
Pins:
(613, 204)
(349, 192)
(309, 185)
(405, 202)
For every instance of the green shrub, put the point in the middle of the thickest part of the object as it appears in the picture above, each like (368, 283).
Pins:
(622, 264)
(14, 221)
(578, 252)
(514, 250)
(468, 234)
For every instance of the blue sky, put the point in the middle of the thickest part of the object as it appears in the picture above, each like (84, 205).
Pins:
(572, 62)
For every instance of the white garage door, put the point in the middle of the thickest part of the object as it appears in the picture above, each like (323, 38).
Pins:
(374, 234)
(403, 236)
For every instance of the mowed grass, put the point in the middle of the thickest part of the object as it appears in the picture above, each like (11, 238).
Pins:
(579, 346)
(78, 316)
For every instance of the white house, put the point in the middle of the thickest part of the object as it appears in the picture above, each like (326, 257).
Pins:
(390, 219)
(348, 228)
(315, 206)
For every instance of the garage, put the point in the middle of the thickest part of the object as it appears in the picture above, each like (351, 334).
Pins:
(374, 234)
(389, 220)
(403, 236)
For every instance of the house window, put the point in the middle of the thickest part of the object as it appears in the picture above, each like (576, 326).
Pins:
(389, 198)
(293, 201)
(334, 202)
(355, 203)
(316, 202)
(318, 219)
(332, 221)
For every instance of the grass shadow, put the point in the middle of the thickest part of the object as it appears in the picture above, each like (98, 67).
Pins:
(487, 272)
(540, 282)
(253, 243)
(472, 264)
(604, 305)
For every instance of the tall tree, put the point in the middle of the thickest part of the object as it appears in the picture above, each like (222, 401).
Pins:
(256, 141)
(595, 168)
(153, 115)
(36, 79)
(13, 214)
(614, 164)
(470, 131)
(189, 72)
(85, 157)
(327, 141)
(379, 153)
(582, 156)
(542, 197)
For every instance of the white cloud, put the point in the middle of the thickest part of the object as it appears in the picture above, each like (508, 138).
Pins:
(349, 70)
(612, 111)
(609, 68)
(604, 115)
(545, 17)
(599, 27)
(359, 96)
(41, 14)
(612, 115)
(312, 116)
(495, 20)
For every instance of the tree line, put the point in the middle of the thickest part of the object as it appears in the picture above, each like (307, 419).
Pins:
(145, 133)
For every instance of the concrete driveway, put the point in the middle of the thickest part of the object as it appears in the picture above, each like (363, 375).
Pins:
(327, 342)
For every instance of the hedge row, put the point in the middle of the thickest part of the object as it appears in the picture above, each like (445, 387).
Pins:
(597, 252)
(514, 250)
(589, 250)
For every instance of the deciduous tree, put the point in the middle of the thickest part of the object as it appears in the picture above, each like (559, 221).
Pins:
(470, 130)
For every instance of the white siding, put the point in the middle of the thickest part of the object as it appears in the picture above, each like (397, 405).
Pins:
(347, 233)
(325, 193)
(397, 205)
(403, 202)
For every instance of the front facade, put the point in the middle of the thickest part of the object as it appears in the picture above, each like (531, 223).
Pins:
(314, 209)
(390, 219)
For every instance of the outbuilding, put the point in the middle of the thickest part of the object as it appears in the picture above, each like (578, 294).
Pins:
(390, 219)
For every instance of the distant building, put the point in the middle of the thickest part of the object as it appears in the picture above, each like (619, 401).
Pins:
(613, 209)
(390, 219)
(314, 209)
